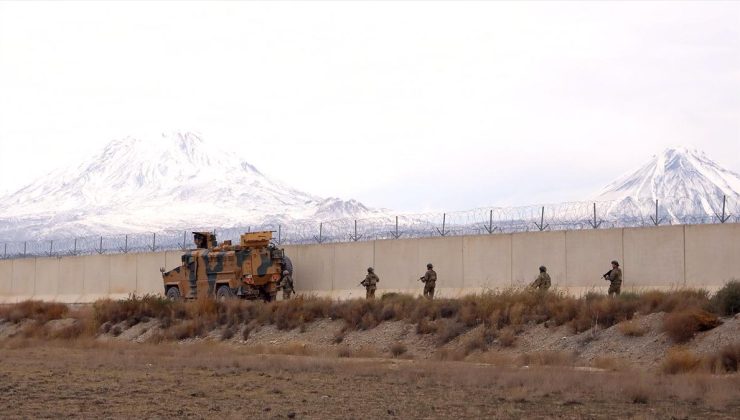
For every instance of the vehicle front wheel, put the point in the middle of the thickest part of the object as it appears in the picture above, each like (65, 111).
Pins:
(224, 292)
(173, 293)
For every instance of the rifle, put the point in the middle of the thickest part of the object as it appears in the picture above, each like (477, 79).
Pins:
(606, 275)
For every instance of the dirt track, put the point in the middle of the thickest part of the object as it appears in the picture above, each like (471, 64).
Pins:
(94, 379)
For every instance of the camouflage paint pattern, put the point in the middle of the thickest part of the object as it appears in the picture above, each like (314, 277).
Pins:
(250, 269)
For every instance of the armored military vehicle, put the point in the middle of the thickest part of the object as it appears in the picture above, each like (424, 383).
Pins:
(249, 270)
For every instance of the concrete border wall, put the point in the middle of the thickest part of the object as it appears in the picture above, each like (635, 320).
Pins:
(654, 257)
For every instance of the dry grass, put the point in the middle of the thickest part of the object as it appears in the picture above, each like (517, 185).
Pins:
(681, 326)
(725, 360)
(547, 358)
(398, 349)
(727, 300)
(35, 310)
(507, 337)
(632, 328)
(500, 314)
(680, 360)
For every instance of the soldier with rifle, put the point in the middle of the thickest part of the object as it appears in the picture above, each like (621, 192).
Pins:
(542, 282)
(429, 279)
(370, 283)
(286, 283)
(614, 277)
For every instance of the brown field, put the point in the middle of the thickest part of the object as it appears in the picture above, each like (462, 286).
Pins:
(93, 379)
(512, 354)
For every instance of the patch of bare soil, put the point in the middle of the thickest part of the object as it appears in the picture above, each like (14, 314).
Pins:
(117, 379)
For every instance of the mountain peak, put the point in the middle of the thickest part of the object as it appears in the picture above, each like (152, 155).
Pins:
(162, 181)
(678, 174)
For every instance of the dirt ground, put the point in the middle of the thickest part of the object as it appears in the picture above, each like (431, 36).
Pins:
(116, 379)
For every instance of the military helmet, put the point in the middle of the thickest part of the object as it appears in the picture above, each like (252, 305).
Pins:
(615, 262)
(370, 269)
(543, 269)
(286, 272)
(429, 265)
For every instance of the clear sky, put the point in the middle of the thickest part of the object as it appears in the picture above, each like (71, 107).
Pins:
(411, 106)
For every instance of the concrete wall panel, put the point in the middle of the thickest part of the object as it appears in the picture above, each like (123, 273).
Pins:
(486, 262)
(6, 281)
(397, 265)
(712, 255)
(653, 257)
(47, 279)
(446, 254)
(351, 261)
(97, 278)
(148, 276)
(531, 250)
(122, 276)
(24, 277)
(313, 267)
(589, 255)
(172, 259)
(71, 279)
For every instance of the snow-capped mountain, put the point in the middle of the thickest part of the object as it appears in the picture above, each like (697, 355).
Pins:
(171, 181)
(684, 181)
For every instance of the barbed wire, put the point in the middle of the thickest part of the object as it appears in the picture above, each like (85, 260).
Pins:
(489, 220)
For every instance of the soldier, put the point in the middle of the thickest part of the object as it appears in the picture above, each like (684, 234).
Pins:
(286, 283)
(370, 283)
(429, 278)
(542, 282)
(614, 277)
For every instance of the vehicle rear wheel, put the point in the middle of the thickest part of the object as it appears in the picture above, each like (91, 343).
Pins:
(173, 293)
(224, 292)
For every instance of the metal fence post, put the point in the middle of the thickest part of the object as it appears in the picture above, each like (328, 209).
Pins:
(125, 245)
(24, 249)
(154, 242)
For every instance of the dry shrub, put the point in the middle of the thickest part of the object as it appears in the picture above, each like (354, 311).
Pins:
(449, 354)
(448, 330)
(608, 363)
(189, 328)
(632, 328)
(725, 360)
(344, 351)
(35, 310)
(479, 339)
(68, 332)
(116, 331)
(398, 349)
(675, 300)
(680, 360)
(727, 299)
(227, 333)
(681, 326)
(507, 337)
(639, 392)
(547, 358)
(425, 326)
(134, 308)
(363, 352)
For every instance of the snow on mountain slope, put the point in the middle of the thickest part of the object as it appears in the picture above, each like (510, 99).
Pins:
(684, 181)
(171, 181)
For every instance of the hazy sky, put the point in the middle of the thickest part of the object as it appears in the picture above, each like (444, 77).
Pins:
(411, 106)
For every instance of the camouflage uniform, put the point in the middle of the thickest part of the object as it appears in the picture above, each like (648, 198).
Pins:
(615, 280)
(370, 283)
(429, 279)
(286, 283)
(542, 282)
